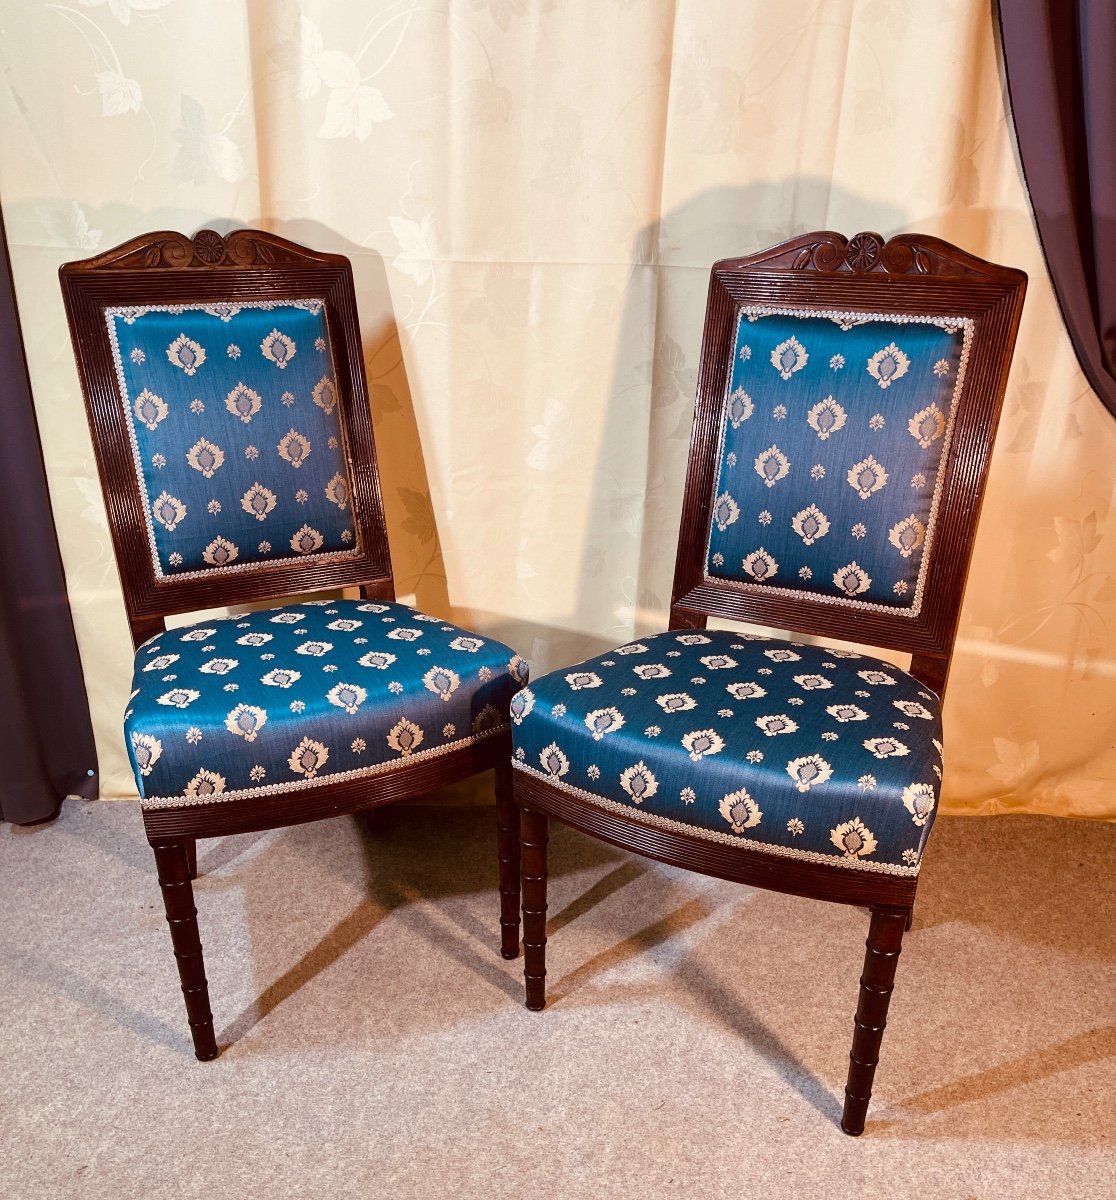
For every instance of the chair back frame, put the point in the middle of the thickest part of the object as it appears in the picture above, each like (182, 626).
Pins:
(910, 274)
(168, 267)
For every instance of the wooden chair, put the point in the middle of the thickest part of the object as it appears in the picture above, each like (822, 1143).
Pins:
(225, 389)
(847, 398)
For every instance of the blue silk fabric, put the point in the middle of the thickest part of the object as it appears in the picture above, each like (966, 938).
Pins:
(835, 428)
(286, 698)
(802, 751)
(236, 438)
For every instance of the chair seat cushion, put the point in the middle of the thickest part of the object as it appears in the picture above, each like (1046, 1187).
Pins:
(290, 697)
(796, 750)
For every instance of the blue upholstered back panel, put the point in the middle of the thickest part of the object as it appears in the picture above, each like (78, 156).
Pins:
(235, 432)
(835, 427)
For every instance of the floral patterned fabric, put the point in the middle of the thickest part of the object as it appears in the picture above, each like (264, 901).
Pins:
(232, 412)
(285, 698)
(825, 755)
(834, 428)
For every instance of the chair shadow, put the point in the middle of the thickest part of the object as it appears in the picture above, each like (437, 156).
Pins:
(412, 856)
(619, 877)
(478, 954)
(91, 996)
(648, 415)
(1093, 1045)
(213, 858)
(1010, 895)
(727, 1006)
(684, 917)
(407, 860)
(82, 822)
(426, 867)
(339, 941)
(712, 999)
(416, 549)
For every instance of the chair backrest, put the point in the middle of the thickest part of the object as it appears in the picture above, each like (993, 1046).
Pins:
(848, 396)
(225, 390)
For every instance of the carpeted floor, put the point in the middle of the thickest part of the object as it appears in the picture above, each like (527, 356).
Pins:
(375, 1044)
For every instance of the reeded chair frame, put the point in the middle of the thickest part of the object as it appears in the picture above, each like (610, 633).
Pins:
(168, 267)
(910, 274)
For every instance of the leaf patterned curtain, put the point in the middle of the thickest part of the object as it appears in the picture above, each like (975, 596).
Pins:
(532, 193)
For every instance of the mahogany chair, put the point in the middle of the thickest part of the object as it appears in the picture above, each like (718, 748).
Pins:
(847, 400)
(226, 396)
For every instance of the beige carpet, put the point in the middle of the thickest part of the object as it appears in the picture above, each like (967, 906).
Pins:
(695, 1045)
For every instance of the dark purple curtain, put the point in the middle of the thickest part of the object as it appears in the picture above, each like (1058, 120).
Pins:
(1060, 59)
(44, 714)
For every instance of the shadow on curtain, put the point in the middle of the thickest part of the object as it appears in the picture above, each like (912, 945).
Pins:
(44, 713)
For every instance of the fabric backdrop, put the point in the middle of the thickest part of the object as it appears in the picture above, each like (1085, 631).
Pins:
(1058, 63)
(532, 193)
(49, 750)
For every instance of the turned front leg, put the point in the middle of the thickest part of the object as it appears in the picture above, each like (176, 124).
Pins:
(507, 842)
(534, 836)
(172, 859)
(885, 938)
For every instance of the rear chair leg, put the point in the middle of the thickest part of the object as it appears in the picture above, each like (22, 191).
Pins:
(172, 860)
(534, 834)
(507, 842)
(885, 938)
(192, 856)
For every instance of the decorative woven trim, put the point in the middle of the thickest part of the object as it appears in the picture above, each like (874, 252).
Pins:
(726, 839)
(133, 311)
(915, 607)
(300, 785)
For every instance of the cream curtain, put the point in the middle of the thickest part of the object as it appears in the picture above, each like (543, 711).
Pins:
(532, 192)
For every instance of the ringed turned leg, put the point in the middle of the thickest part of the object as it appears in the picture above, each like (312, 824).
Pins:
(172, 860)
(885, 938)
(507, 841)
(534, 834)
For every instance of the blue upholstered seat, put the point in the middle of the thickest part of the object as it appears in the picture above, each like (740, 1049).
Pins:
(285, 698)
(818, 754)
